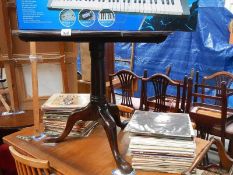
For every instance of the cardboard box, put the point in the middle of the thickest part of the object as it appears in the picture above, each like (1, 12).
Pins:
(110, 15)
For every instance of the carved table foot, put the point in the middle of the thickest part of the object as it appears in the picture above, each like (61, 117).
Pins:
(109, 125)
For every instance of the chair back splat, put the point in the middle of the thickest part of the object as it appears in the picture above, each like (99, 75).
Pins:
(29, 166)
(157, 102)
(128, 84)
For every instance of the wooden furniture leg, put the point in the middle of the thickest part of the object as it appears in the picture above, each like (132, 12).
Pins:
(6, 106)
(98, 109)
(110, 128)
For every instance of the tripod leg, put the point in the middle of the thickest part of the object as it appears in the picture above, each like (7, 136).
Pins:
(84, 114)
(109, 125)
(114, 111)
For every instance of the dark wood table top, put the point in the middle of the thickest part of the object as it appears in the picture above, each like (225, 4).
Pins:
(85, 156)
(16, 121)
(90, 36)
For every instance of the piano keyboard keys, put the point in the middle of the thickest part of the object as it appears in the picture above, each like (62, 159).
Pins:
(106, 16)
(169, 7)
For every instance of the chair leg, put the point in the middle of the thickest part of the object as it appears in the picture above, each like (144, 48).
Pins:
(204, 135)
(207, 159)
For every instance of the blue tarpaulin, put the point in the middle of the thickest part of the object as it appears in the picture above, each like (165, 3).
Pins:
(206, 50)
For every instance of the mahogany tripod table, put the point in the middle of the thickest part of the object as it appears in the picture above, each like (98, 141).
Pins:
(98, 109)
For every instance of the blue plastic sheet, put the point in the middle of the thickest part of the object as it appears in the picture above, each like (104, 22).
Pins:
(206, 50)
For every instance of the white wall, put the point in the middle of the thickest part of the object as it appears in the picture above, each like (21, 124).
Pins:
(49, 79)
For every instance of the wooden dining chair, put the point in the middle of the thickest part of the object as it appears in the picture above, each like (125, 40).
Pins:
(29, 166)
(184, 84)
(157, 102)
(210, 117)
(128, 85)
(223, 167)
(216, 79)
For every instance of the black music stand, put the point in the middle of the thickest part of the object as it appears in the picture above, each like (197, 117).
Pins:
(98, 109)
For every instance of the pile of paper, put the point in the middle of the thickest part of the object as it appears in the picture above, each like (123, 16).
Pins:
(161, 141)
(59, 107)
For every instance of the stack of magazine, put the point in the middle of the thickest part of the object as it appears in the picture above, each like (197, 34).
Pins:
(161, 141)
(59, 107)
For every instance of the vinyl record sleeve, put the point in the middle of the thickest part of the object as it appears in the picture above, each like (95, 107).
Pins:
(158, 124)
(66, 101)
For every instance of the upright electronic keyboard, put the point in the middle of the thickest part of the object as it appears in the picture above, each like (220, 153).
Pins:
(167, 7)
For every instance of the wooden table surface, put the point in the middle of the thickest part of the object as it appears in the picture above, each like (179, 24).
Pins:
(16, 121)
(85, 156)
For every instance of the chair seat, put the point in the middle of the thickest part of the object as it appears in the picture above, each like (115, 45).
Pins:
(213, 128)
(209, 111)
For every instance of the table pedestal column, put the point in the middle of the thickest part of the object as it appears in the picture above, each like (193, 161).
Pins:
(98, 109)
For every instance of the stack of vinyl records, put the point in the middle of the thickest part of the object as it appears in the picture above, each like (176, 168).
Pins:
(161, 141)
(59, 107)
